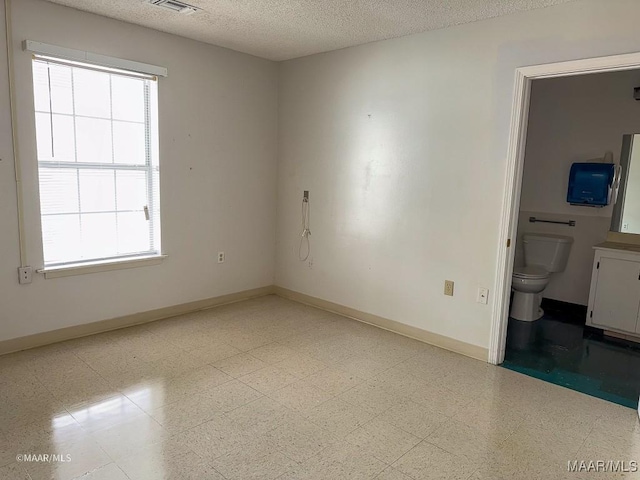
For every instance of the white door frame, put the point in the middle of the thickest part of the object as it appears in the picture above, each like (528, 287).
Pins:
(513, 178)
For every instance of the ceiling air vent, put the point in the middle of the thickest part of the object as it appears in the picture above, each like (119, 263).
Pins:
(175, 6)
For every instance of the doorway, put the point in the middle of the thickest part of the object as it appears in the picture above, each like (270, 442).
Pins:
(514, 177)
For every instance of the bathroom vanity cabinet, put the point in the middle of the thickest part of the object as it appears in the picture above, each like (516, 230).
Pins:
(614, 298)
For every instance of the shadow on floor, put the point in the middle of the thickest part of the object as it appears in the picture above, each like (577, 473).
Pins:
(560, 349)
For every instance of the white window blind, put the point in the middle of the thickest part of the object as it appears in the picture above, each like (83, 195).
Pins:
(97, 144)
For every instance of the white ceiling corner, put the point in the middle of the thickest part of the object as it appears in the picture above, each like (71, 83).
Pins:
(285, 29)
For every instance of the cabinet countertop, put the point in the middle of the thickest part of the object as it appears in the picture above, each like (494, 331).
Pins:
(624, 247)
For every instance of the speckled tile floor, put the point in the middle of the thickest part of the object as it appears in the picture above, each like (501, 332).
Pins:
(270, 388)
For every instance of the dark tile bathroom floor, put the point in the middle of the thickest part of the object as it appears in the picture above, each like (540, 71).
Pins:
(559, 349)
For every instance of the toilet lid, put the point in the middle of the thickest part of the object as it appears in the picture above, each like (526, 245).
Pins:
(530, 271)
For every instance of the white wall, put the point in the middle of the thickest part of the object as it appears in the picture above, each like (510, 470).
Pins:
(218, 142)
(573, 119)
(402, 144)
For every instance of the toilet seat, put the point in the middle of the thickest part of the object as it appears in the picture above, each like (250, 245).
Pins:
(530, 272)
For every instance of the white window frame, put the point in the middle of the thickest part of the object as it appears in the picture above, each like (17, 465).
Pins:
(76, 58)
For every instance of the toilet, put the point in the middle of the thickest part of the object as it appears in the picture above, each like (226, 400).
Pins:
(544, 254)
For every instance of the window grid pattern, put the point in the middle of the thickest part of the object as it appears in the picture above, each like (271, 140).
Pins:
(98, 168)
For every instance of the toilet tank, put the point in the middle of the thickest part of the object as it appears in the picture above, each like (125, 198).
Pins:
(547, 250)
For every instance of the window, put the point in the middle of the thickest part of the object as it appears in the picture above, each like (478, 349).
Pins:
(97, 134)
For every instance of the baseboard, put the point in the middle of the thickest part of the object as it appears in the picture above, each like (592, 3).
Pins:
(425, 336)
(621, 336)
(564, 312)
(77, 331)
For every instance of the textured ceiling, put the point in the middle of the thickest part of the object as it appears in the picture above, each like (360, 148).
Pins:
(285, 29)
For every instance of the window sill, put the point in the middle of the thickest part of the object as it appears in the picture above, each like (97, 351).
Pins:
(96, 267)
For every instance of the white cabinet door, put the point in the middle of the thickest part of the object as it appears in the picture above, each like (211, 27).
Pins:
(617, 296)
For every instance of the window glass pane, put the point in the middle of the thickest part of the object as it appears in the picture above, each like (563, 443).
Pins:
(61, 238)
(128, 98)
(99, 238)
(58, 190)
(132, 190)
(133, 232)
(41, 87)
(155, 194)
(61, 91)
(44, 143)
(91, 91)
(62, 149)
(129, 143)
(153, 120)
(93, 140)
(88, 116)
(52, 88)
(97, 191)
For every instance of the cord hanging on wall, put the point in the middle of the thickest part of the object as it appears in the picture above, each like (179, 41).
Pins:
(304, 237)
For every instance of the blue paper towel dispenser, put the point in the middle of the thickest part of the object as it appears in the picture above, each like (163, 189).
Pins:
(590, 184)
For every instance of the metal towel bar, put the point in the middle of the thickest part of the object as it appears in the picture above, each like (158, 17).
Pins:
(571, 223)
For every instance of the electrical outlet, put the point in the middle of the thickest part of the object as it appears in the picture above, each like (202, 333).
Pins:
(483, 295)
(220, 257)
(24, 275)
(448, 287)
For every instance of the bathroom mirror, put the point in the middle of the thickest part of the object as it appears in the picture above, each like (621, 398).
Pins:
(626, 211)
